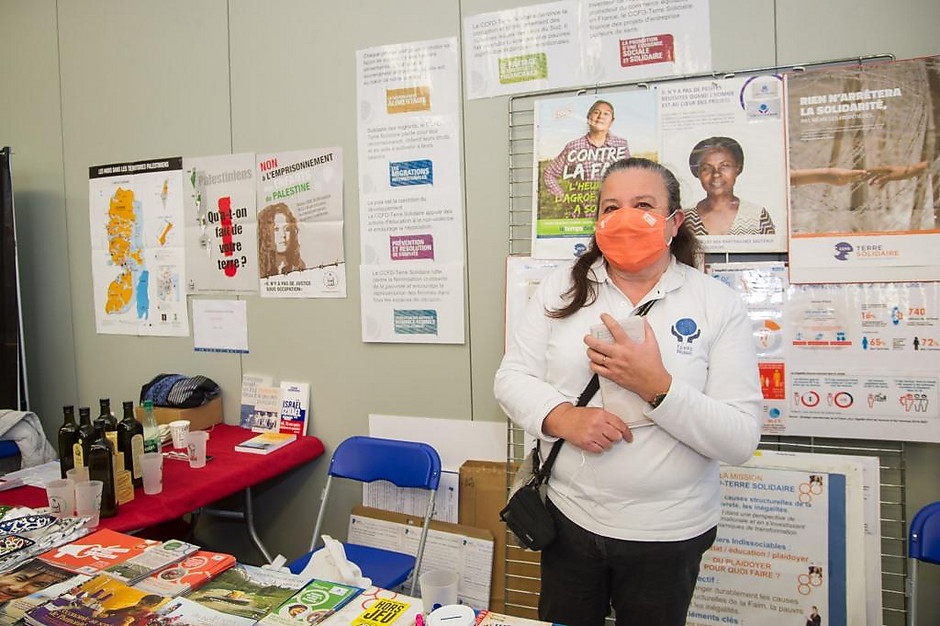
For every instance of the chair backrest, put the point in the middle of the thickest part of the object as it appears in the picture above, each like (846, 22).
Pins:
(403, 463)
(924, 536)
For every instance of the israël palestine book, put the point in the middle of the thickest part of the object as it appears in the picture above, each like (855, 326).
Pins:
(97, 551)
(295, 402)
(102, 601)
(311, 605)
(248, 592)
(150, 560)
(190, 573)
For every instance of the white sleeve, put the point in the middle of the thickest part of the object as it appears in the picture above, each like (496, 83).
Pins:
(723, 421)
(520, 386)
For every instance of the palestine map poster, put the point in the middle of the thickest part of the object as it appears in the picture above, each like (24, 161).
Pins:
(137, 250)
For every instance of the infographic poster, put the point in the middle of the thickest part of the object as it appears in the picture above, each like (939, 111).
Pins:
(864, 158)
(576, 140)
(763, 288)
(410, 200)
(300, 224)
(138, 258)
(864, 360)
(723, 139)
(780, 553)
(221, 224)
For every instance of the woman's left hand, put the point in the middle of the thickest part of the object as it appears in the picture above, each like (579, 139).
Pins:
(632, 365)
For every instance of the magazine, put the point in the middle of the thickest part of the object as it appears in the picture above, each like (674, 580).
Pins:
(190, 573)
(314, 603)
(30, 577)
(97, 551)
(150, 560)
(15, 610)
(101, 601)
(247, 591)
(185, 612)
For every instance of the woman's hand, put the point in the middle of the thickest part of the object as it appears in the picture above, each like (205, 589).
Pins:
(632, 365)
(589, 428)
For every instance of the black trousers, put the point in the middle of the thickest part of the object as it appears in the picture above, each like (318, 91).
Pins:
(648, 583)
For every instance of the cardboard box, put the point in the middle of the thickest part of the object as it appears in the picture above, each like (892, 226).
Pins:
(482, 495)
(200, 417)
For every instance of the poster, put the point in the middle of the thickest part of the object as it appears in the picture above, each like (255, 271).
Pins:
(566, 44)
(864, 361)
(411, 205)
(138, 259)
(221, 224)
(864, 158)
(763, 288)
(300, 224)
(723, 139)
(780, 553)
(576, 139)
(523, 275)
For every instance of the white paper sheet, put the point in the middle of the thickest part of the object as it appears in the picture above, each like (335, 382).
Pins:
(220, 326)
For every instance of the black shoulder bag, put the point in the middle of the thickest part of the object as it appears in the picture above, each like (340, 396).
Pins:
(525, 513)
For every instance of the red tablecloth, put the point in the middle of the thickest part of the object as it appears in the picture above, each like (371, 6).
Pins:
(186, 489)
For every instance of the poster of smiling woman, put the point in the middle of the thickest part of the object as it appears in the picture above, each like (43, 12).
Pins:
(576, 140)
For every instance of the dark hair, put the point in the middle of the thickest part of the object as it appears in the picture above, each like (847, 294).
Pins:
(597, 103)
(267, 250)
(684, 246)
(715, 143)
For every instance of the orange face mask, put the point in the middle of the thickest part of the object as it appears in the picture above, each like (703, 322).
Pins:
(632, 239)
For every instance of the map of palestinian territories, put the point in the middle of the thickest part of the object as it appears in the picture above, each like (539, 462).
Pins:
(124, 245)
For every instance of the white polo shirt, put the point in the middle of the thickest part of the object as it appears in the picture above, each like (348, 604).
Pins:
(664, 485)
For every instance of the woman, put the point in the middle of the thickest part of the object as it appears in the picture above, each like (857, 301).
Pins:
(634, 511)
(278, 248)
(717, 162)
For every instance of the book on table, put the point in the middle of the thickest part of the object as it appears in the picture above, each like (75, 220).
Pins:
(154, 558)
(311, 605)
(247, 592)
(96, 552)
(101, 601)
(295, 404)
(185, 612)
(265, 443)
(15, 610)
(190, 573)
(30, 577)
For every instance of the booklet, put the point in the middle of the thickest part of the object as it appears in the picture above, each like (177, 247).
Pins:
(265, 443)
(248, 592)
(623, 403)
(15, 610)
(250, 386)
(185, 612)
(97, 551)
(150, 560)
(190, 573)
(314, 603)
(102, 601)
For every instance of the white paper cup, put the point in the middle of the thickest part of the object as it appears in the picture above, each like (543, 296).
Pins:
(196, 446)
(438, 588)
(179, 429)
(77, 474)
(61, 494)
(88, 500)
(151, 465)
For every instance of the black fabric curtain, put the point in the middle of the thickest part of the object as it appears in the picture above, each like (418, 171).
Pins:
(10, 378)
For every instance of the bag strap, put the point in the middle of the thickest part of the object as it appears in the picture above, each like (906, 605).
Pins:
(541, 474)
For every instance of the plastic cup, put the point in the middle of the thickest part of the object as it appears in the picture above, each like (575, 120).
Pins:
(61, 494)
(438, 588)
(151, 464)
(196, 446)
(179, 430)
(88, 501)
(77, 474)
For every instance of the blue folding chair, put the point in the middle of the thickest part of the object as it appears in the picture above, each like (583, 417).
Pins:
(403, 463)
(923, 545)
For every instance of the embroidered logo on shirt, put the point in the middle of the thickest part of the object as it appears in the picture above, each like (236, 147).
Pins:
(685, 331)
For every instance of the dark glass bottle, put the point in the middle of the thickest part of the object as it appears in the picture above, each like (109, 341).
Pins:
(106, 418)
(131, 443)
(101, 467)
(68, 437)
(86, 435)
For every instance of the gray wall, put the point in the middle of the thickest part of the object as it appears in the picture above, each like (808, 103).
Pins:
(84, 83)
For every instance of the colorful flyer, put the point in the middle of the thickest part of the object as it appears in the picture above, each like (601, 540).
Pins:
(864, 157)
(138, 257)
(576, 140)
(723, 139)
(300, 224)
(221, 224)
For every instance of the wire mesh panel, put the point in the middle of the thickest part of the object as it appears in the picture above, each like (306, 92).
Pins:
(522, 566)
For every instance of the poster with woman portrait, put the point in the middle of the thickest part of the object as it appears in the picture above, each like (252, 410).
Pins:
(300, 224)
(576, 140)
(723, 139)
(864, 150)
